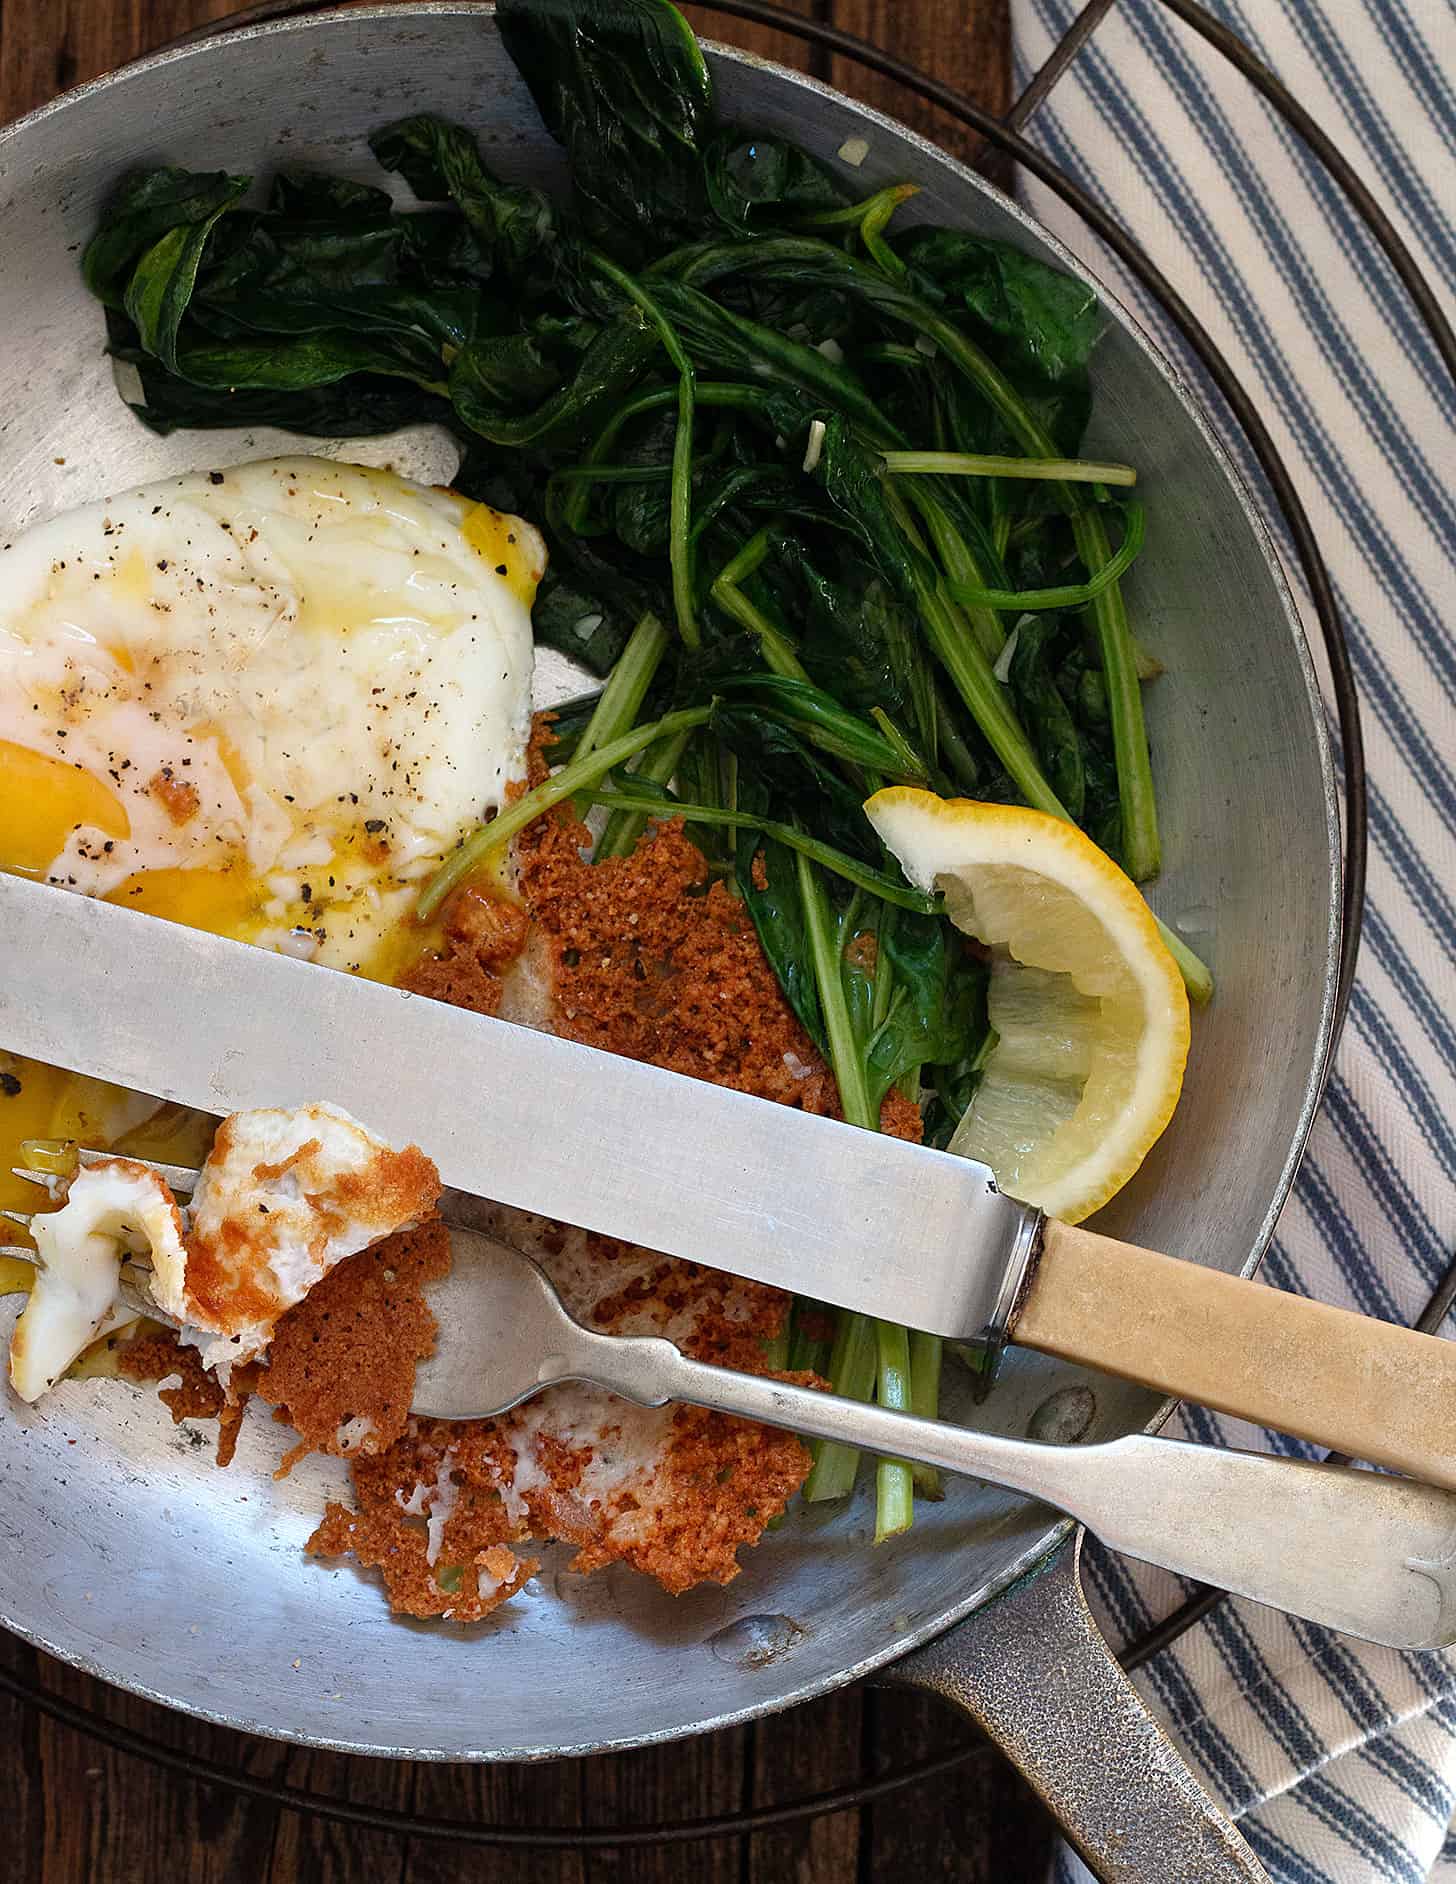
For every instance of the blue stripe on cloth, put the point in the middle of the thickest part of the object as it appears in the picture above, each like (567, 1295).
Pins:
(1285, 1719)
(1419, 66)
(1418, 202)
(1263, 210)
(1367, 1288)
(1390, 1052)
(1406, 1215)
(1388, 303)
(1378, 936)
(1429, 895)
(1350, 1681)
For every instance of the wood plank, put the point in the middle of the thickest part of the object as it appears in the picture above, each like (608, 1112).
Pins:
(48, 45)
(966, 46)
(308, 1847)
(114, 1818)
(699, 1778)
(978, 1823)
(548, 1794)
(809, 1750)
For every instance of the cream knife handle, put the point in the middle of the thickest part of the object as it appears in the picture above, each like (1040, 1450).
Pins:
(1359, 1386)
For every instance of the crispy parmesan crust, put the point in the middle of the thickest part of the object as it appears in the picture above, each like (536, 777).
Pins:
(341, 1368)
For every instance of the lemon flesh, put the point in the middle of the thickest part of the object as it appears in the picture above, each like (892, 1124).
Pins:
(1089, 1008)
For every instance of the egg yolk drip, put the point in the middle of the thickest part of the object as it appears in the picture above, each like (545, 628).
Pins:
(265, 702)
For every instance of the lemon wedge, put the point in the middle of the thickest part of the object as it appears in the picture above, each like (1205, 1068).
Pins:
(1088, 1005)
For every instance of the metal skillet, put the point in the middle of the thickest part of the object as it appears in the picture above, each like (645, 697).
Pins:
(128, 1570)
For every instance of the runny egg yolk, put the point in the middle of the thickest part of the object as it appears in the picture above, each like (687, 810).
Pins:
(266, 702)
(46, 799)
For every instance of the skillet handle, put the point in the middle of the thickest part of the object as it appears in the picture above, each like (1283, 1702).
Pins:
(1033, 1672)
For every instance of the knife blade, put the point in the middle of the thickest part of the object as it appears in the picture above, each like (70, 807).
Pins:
(631, 1151)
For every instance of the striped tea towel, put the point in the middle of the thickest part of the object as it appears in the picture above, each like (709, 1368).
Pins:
(1337, 1759)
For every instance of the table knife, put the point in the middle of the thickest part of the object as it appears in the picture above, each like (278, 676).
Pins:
(807, 1204)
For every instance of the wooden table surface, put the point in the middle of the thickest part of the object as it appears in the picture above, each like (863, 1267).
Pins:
(77, 1813)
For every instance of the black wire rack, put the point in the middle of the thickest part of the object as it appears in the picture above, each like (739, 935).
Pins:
(1002, 140)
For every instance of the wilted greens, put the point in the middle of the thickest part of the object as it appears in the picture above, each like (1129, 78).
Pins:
(808, 480)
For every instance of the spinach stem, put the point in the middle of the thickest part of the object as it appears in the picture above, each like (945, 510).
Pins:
(680, 546)
(658, 766)
(1197, 977)
(562, 785)
(620, 701)
(1140, 846)
(1071, 595)
(894, 1482)
(967, 464)
(808, 1354)
(776, 1348)
(926, 1353)
(778, 651)
(985, 698)
(1141, 849)
(862, 876)
(909, 759)
(705, 393)
(844, 1055)
(888, 1352)
(884, 202)
(611, 474)
(806, 254)
(961, 567)
(970, 673)
(872, 234)
(852, 1370)
(958, 754)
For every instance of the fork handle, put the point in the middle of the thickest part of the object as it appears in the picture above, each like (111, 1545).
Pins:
(1357, 1551)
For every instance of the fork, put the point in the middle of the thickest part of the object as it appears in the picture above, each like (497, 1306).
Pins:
(1366, 1553)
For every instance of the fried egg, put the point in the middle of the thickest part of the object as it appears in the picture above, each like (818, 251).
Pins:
(282, 1197)
(265, 701)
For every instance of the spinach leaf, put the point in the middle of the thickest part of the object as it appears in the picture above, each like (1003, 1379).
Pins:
(937, 1014)
(148, 205)
(857, 487)
(640, 513)
(306, 360)
(162, 281)
(358, 407)
(795, 782)
(623, 86)
(818, 717)
(580, 624)
(615, 359)
(1030, 317)
(441, 161)
(767, 879)
(756, 180)
(1043, 711)
(318, 196)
